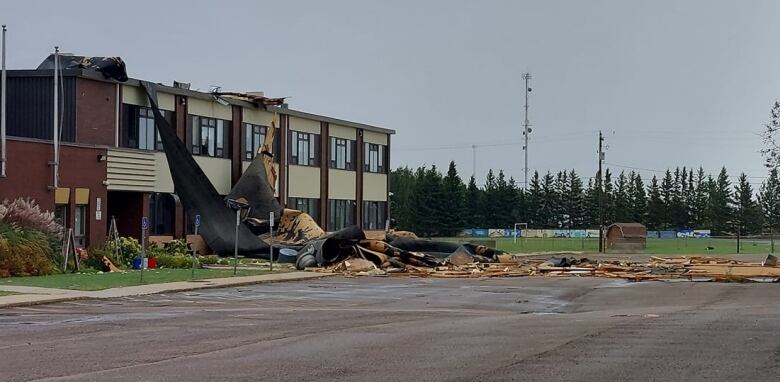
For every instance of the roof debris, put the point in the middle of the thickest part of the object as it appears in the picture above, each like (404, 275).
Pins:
(693, 268)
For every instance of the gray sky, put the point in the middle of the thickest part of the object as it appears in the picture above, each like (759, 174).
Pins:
(671, 83)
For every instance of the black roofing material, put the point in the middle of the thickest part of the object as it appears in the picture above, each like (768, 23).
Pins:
(110, 67)
(199, 196)
(253, 187)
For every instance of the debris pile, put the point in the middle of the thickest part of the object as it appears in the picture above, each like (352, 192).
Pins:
(695, 268)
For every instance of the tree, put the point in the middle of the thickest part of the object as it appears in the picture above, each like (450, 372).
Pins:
(608, 199)
(622, 199)
(747, 214)
(638, 207)
(769, 200)
(719, 206)
(656, 208)
(591, 211)
(453, 202)
(534, 202)
(667, 196)
(402, 184)
(771, 150)
(575, 202)
(549, 202)
(474, 217)
(698, 203)
(426, 202)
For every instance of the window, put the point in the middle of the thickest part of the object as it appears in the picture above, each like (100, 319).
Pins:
(254, 136)
(140, 129)
(375, 159)
(162, 208)
(61, 214)
(209, 136)
(374, 215)
(307, 205)
(80, 226)
(342, 153)
(304, 149)
(341, 213)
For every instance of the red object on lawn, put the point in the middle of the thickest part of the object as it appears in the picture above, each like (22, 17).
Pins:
(152, 263)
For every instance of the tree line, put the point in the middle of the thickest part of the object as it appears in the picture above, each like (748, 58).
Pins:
(434, 204)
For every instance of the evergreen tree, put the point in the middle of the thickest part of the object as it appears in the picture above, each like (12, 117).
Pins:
(608, 199)
(427, 202)
(591, 212)
(769, 200)
(474, 216)
(622, 199)
(453, 202)
(719, 206)
(534, 202)
(656, 208)
(402, 184)
(575, 202)
(638, 199)
(667, 196)
(561, 202)
(698, 202)
(549, 202)
(747, 213)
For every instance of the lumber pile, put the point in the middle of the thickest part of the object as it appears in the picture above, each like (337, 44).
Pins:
(698, 268)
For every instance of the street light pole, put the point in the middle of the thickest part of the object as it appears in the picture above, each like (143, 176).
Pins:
(601, 193)
(526, 131)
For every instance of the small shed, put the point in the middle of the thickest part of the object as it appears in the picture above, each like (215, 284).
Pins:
(626, 237)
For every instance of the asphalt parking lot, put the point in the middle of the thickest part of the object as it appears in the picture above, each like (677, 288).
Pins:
(386, 329)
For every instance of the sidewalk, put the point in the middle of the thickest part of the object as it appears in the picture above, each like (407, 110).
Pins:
(35, 295)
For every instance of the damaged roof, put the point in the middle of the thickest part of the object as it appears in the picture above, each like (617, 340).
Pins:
(233, 98)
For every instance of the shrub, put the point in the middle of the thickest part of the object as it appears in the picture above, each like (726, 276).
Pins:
(26, 214)
(95, 257)
(129, 248)
(208, 260)
(175, 261)
(24, 252)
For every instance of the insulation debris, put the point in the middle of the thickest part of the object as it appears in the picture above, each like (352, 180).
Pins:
(657, 268)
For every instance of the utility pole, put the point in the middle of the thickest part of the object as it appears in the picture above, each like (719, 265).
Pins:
(474, 161)
(56, 132)
(526, 130)
(4, 157)
(601, 194)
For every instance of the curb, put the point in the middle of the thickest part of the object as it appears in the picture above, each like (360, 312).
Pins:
(84, 295)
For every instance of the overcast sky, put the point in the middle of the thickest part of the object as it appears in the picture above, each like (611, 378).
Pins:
(670, 83)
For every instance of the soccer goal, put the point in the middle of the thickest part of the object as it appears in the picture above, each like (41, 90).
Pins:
(524, 228)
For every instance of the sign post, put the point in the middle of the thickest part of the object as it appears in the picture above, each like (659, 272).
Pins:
(195, 251)
(144, 226)
(235, 247)
(271, 238)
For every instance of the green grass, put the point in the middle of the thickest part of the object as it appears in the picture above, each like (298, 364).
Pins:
(6, 293)
(678, 246)
(98, 281)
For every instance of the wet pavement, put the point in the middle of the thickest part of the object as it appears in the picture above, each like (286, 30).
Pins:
(365, 329)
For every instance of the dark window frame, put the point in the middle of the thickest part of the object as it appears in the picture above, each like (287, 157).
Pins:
(343, 154)
(310, 206)
(216, 143)
(341, 213)
(134, 117)
(375, 158)
(374, 214)
(304, 142)
(254, 137)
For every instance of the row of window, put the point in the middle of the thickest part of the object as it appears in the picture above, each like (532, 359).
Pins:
(341, 213)
(211, 137)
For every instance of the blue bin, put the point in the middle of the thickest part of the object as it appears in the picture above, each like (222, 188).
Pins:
(137, 263)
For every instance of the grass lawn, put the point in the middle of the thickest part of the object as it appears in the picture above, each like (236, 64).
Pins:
(5, 293)
(678, 246)
(97, 281)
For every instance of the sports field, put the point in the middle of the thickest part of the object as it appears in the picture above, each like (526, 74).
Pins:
(678, 246)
